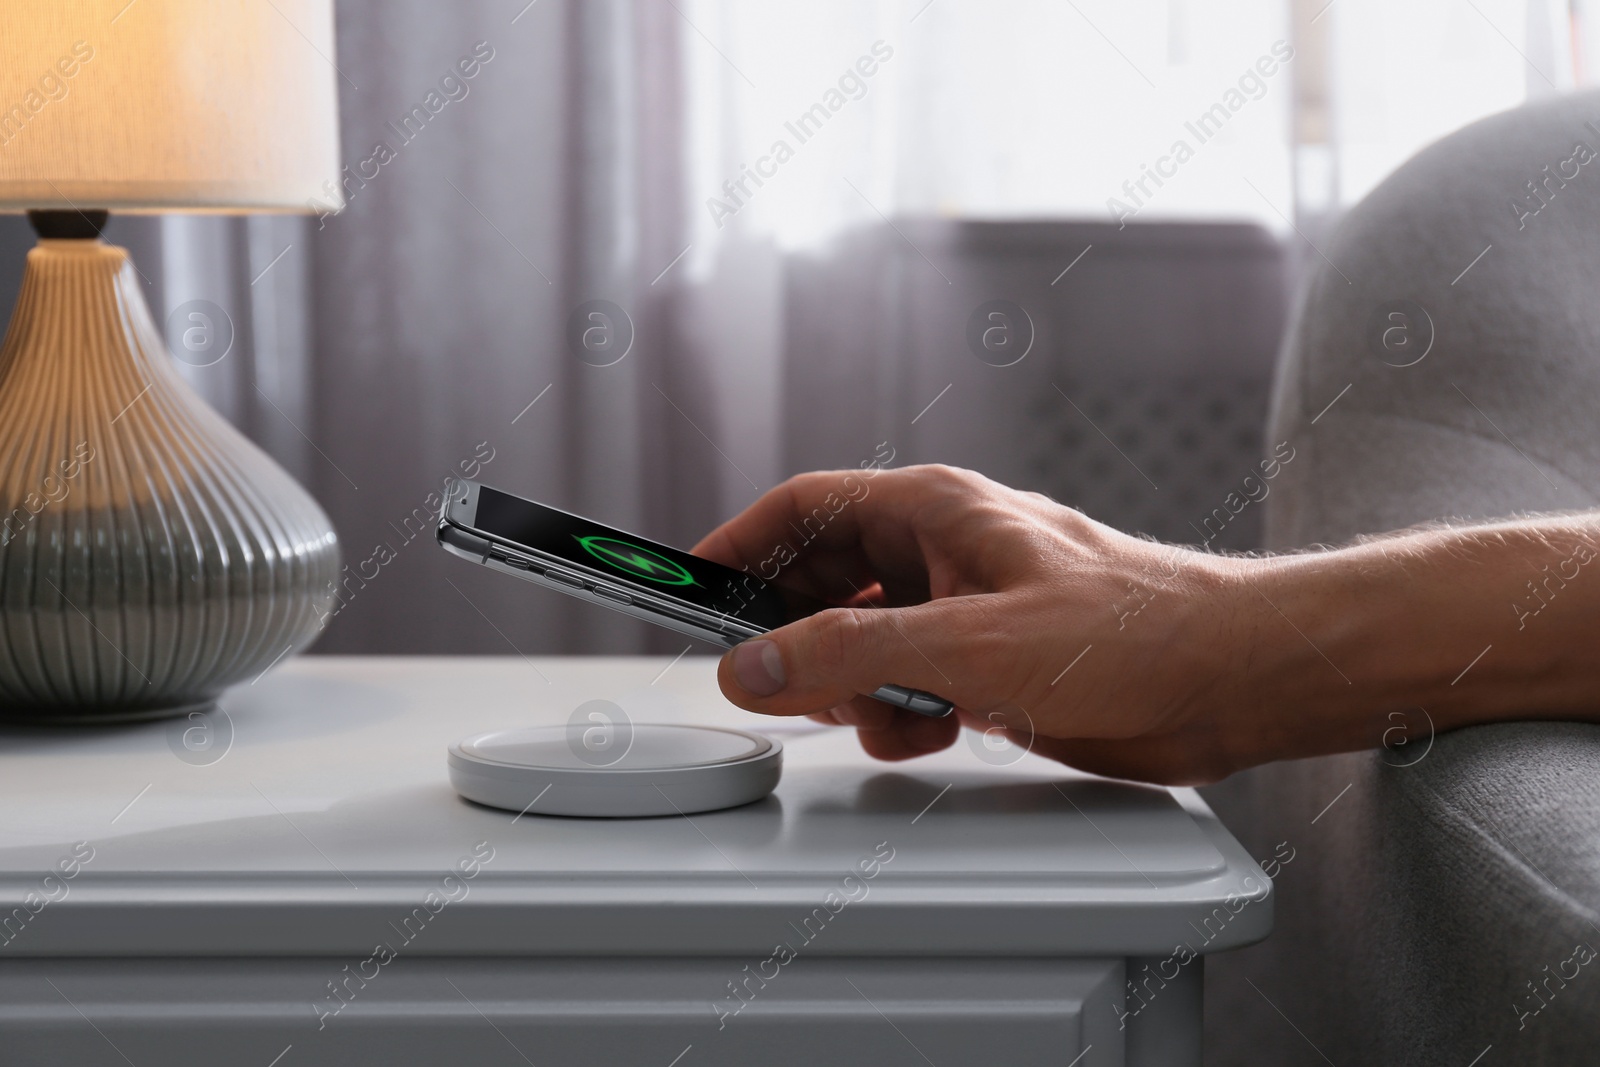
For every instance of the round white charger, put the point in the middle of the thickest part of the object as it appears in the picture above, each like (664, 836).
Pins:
(660, 770)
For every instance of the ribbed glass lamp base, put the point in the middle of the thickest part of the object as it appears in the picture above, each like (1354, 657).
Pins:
(150, 555)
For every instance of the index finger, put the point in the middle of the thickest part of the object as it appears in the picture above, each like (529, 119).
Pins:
(841, 529)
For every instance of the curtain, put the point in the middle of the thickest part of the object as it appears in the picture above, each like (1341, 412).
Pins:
(1028, 109)
(450, 295)
(1038, 109)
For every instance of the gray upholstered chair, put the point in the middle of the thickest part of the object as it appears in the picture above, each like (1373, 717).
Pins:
(1430, 912)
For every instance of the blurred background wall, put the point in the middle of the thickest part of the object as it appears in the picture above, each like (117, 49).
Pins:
(769, 310)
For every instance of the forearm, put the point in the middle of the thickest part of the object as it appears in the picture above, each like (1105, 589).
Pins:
(1473, 624)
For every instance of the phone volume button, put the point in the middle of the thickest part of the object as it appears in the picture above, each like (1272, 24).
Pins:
(612, 595)
(564, 578)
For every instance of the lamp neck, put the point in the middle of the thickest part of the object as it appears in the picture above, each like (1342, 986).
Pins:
(69, 225)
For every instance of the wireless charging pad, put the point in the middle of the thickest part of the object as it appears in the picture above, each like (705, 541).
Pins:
(630, 770)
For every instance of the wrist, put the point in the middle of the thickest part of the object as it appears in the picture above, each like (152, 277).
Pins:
(1325, 652)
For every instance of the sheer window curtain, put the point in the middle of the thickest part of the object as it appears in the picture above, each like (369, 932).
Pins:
(377, 351)
(445, 299)
(1036, 109)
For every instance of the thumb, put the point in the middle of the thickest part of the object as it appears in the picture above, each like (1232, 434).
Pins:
(829, 658)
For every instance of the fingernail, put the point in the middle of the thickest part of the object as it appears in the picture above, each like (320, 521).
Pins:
(758, 667)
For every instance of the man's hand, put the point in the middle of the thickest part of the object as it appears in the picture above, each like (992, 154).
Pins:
(1126, 657)
(1025, 614)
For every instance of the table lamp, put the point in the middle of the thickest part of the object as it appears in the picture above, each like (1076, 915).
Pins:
(150, 555)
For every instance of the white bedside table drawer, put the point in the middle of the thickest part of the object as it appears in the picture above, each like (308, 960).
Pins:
(564, 1012)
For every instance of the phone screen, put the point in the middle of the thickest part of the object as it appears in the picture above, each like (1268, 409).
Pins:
(635, 561)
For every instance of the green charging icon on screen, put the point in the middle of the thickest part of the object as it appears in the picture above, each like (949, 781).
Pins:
(636, 561)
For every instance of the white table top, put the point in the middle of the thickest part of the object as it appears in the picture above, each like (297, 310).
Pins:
(331, 813)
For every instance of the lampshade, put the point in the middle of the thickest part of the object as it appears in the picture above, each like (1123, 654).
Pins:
(168, 105)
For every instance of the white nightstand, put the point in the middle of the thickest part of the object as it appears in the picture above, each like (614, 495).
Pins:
(320, 889)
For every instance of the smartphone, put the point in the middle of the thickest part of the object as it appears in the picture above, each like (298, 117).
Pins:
(630, 574)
